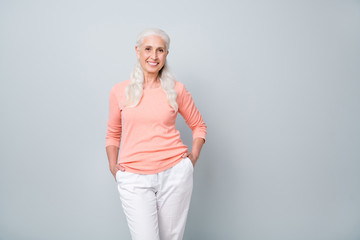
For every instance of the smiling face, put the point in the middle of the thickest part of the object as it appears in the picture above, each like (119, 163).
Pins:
(152, 55)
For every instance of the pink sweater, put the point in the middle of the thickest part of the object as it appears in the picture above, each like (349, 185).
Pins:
(150, 143)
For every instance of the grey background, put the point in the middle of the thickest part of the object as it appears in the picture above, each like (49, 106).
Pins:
(277, 83)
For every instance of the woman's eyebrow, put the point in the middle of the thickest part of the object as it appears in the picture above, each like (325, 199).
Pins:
(149, 46)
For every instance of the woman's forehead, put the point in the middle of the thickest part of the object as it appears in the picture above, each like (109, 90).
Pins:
(154, 40)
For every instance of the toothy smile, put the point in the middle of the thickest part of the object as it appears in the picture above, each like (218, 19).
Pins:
(153, 63)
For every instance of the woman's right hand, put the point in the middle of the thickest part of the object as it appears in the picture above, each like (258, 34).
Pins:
(116, 168)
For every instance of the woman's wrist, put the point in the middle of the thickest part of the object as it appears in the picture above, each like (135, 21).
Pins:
(194, 156)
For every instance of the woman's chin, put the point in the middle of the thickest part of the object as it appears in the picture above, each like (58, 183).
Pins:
(151, 71)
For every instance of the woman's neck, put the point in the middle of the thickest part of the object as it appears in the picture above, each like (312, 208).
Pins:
(151, 81)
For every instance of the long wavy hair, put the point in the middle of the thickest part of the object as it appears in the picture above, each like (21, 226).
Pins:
(134, 90)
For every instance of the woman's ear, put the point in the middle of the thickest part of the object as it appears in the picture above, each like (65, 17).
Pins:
(137, 50)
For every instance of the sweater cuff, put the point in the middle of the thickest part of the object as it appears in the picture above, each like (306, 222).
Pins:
(199, 135)
(112, 142)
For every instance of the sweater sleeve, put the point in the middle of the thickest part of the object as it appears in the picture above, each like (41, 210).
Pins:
(113, 134)
(191, 114)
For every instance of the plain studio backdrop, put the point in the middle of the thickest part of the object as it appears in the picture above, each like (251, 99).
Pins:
(277, 82)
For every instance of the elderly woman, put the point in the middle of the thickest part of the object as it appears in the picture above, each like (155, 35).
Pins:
(154, 170)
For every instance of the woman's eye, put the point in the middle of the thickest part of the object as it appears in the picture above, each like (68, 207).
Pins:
(147, 49)
(161, 50)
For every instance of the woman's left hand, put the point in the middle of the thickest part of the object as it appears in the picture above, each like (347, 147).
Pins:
(191, 157)
(195, 151)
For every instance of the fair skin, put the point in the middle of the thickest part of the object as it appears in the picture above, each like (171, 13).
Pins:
(152, 55)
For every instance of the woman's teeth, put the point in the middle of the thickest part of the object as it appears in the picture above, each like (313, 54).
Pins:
(153, 64)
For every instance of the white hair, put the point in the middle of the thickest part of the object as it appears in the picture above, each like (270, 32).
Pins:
(134, 90)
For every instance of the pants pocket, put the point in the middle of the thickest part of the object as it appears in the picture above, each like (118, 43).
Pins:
(118, 175)
(190, 163)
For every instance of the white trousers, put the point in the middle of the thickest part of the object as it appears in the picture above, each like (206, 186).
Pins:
(156, 205)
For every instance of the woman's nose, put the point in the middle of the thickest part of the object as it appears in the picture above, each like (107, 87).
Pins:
(154, 54)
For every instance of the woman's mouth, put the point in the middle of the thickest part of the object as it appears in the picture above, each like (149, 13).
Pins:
(153, 63)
